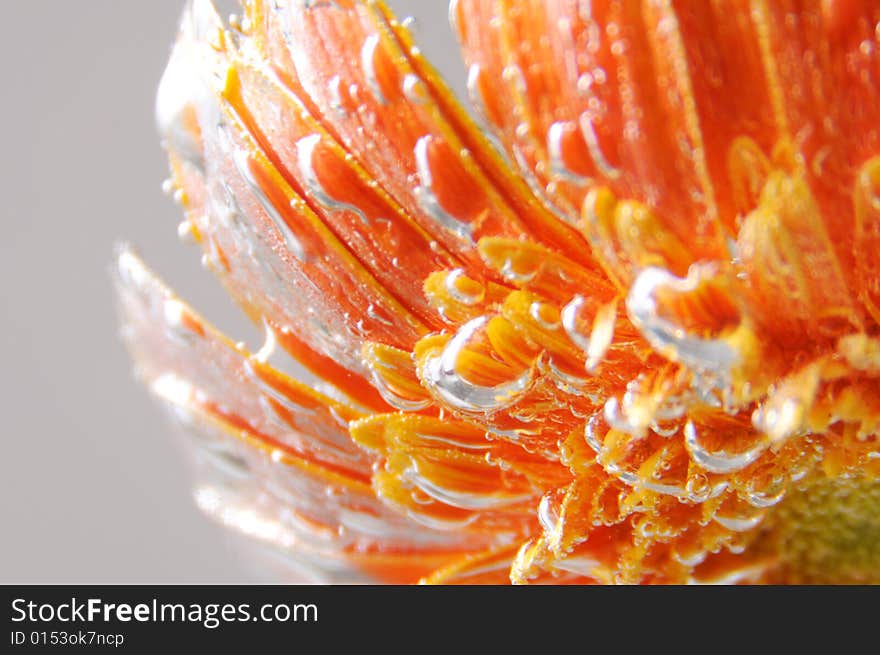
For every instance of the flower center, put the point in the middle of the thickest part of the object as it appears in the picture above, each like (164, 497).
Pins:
(827, 531)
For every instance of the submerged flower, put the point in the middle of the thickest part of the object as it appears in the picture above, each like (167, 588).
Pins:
(625, 327)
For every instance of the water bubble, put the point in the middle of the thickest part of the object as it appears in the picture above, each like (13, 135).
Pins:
(555, 136)
(547, 515)
(186, 232)
(426, 197)
(719, 461)
(463, 297)
(570, 322)
(294, 246)
(414, 89)
(741, 523)
(458, 498)
(711, 355)
(368, 66)
(539, 312)
(441, 377)
(305, 151)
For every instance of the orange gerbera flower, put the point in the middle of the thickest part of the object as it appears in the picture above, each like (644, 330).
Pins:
(627, 329)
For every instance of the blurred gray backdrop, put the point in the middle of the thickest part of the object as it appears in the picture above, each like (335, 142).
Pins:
(93, 485)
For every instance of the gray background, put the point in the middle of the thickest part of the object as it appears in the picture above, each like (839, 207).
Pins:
(93, 485)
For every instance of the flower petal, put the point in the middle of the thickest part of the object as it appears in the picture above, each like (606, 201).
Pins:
(394, 115)
(276, 455)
